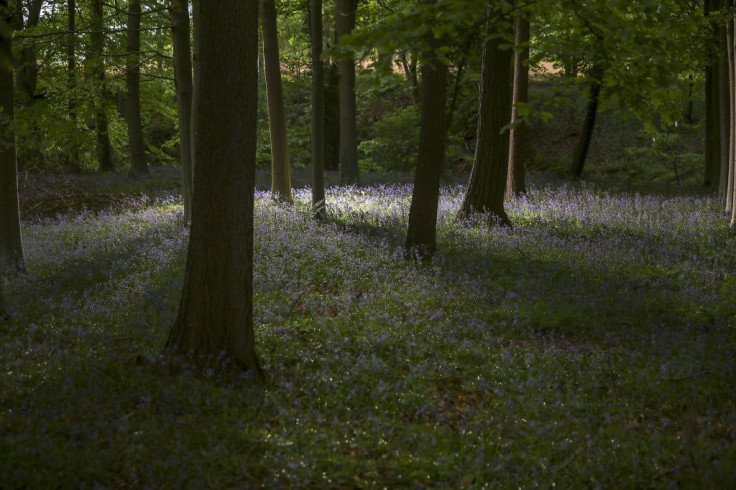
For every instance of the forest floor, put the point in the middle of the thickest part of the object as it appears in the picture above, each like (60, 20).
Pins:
(594, 345)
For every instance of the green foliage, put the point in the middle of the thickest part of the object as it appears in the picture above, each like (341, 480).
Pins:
(394, 143)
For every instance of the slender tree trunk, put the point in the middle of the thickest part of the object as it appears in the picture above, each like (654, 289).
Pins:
(421, 237)
(410, 77)
(183, 77)
(586, 131)
(332, 117)
(318, 110)
(280, 170)
(731, 141)
(26, 75)
(138, 166)
(97, 72)
(712, 103)
(215, 320)
(515, 184)
(487, 186)
(452, 105)
(349, 172)
(27, 69)
(71, 77)
(11, 244)
(724, 111)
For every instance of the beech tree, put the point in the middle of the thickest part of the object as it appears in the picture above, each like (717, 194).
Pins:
(318, 109)
(515, 184)
(138, 167)
(215, 317)
(96, 67)
(72, 157)
(280, 170)
(487, 185)
(179, 12)
(11, 245)
(421, 237)
(344, 23)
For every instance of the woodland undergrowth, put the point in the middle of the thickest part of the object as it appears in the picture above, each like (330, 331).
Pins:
(594, 345)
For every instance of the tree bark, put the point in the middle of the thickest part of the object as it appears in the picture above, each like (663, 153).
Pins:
(72, 157)
(27, 69)
(723, 111)
(349, 171)
(138, 167)
(184, 90)
(26, 76)
(515, 184)
(280, 170)
(586, 131)
(712, 105)
(731, 112)
(11, 244)
(421, 237)
(97, 72)
(318, 110)
(332, 117)
(215, 320)
(487, 186)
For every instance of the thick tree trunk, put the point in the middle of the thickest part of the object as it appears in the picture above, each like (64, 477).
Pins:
(421, 237)
(515, 184)
(280, 170)
(138, 167)
(349, 171)
(318, 110)
(11, 244)
(184, 90)
(586, 131)
(97, 72)
(72, 157)
(215, 320)
(487, 186)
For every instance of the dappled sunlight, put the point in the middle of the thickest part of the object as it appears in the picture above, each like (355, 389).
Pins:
(538, 353)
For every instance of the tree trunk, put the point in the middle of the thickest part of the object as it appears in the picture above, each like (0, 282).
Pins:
(11, 244)
(586, 131)
(27, 69)
(515, 184)
(332, 117)
(712, 103)
(730, 156)
(724, 96)
(318, 110)
(138, 167)
(26, 77)
(487, 185)
(215, 320)
(421, 237)
(97, 72)
(184, 90)
(349, 172)
(72, 157)
(280, 170)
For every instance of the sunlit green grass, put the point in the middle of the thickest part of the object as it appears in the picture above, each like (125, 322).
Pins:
(592, 346)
